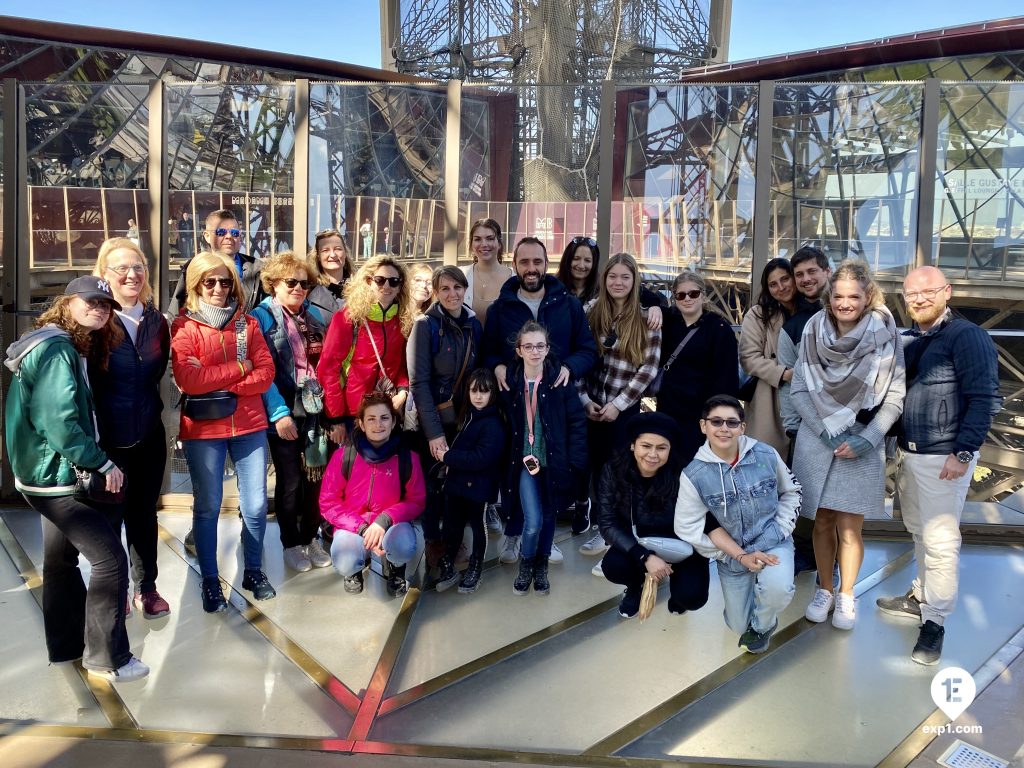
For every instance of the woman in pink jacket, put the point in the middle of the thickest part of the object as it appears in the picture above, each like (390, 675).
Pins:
(372, 491)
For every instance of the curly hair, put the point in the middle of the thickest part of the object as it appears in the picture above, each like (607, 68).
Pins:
(279, 266)
(371, 399)
(93, 345)
(360, 294)
(112, 244)
(629, 324)
(853, 269)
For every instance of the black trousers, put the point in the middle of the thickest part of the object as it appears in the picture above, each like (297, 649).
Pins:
(603, 439)
(80, 622)
(143, 466)
(459, 512)
(296, 497)
(688, 584)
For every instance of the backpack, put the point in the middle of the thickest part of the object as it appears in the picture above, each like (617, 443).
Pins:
(404, 464)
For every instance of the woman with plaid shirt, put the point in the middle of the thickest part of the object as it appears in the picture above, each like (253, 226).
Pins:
(630, 354)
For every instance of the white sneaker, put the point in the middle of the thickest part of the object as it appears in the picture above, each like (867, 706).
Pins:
(510, 549)
(597, 570)
(845, 615)
(820, 607)
(494, 521)
(132, 670)
(596, 546)
(317, 555)
(295, 558)
(556, 555)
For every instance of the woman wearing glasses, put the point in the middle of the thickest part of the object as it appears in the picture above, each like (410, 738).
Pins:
(420, 287)
(295, 332)
(487, 274)
(365, 346)
(698, 358)
(222, 365)
(629, 354)
(330, 266)
(128, 406)
(848, 389)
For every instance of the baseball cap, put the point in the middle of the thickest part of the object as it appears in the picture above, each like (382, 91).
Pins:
(91, 287)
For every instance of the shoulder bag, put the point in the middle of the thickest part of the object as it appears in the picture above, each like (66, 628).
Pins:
(220, 403)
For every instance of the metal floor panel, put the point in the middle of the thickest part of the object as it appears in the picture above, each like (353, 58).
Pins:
(855, 695)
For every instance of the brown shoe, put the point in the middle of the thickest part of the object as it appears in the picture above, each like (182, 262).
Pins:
(151, 604)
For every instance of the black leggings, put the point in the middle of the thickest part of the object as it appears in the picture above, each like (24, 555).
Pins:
(296, 497)
(688, 584)
(458, 512)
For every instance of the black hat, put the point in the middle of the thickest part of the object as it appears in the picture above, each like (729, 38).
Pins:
(90, 287)
(653, 423)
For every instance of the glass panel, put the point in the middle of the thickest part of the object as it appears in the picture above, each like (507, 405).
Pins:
(979, 195)
(376, 168)
(530, 161)
(684, 186)
(844, 171)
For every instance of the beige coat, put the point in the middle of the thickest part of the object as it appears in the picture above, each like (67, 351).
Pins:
(758, 348)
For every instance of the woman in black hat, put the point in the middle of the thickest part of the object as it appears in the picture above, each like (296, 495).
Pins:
(637, 494)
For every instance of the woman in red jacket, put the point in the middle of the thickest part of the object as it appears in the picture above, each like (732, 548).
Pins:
(365, 346)
(222, 365)
(372, 491)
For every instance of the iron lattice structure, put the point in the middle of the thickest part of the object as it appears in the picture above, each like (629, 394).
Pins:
(530, 46)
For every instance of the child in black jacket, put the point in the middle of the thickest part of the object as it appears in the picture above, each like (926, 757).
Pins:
(474, 461)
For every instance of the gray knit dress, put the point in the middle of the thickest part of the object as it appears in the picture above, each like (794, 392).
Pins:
(845, 485)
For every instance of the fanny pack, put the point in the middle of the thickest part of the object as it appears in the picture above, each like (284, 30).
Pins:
(210, 406)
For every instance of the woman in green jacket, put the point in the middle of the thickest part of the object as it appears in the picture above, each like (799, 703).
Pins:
(51, 431)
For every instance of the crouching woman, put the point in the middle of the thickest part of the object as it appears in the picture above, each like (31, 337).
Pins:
(372, 491)
(742, 493)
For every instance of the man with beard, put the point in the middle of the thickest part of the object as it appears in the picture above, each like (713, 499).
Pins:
(532, 294)
(952, 395)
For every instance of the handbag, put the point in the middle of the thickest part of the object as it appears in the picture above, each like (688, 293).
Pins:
(384, 383)
(668, 548)
(747, 389)
(220, 403)
(655, 386)
(91, 485)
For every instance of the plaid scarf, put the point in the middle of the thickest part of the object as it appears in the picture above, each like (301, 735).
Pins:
(850, 373)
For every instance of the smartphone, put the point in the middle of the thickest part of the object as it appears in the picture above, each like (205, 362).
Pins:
(531, 464)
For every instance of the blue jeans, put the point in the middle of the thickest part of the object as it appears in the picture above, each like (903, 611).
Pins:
(756, 599)
(206, 468)
(538, 515)
(400, 544)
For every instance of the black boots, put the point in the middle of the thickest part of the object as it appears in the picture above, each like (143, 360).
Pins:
(471, 576)
(525, 578)
(541, 585)
(394, 575)
(447, 575)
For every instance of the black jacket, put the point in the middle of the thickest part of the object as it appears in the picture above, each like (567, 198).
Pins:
(328, 299)
(560, 312)
(794, 325)
(475, 457)
(623, 500)
(435, 354)
(127, 394)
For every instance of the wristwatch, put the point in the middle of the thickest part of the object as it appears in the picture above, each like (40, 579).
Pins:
(964, 457)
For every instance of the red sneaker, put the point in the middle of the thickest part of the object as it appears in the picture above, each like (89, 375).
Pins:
(152, 605)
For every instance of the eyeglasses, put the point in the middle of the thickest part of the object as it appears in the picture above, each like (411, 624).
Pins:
(533, 347)
(718, 423)
(928, 294)
(221, 232)
(98, 304)
(610, 339)
(422, 280)
(688, 295)
(124, 269)
(584, 241)
(209, 282)
(291, 282)
(379, 281)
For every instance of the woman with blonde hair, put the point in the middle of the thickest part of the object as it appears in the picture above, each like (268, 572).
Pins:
(421, 287)
(629, 355)
(223, 367)
(365, 346)
(330, 265)
(128, 408)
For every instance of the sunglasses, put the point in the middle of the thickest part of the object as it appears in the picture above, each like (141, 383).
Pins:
(209, 282)
(291, 282)
(584, 241)
(379, 281)
(688, 295)
(717, 422)
(221, 232)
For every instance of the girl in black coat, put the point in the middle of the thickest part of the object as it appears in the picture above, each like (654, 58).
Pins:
(474, 461)
(549, 443)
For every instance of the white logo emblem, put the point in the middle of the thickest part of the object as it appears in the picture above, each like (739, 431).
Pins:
(103, 285)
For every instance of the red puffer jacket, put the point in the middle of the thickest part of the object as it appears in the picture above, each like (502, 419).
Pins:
(216, 351)
(346, 379)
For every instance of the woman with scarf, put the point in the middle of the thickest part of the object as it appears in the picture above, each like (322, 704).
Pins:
(295, 332)
(848, 388)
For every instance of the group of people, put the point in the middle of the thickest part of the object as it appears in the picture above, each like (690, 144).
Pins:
(397, 406)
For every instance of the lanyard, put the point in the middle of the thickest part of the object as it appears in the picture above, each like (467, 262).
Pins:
(531, 405)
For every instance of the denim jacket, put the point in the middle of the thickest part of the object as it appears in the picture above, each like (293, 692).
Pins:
(756, 500)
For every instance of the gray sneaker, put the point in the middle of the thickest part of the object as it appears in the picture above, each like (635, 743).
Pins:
(510, 550)
(906, 606)
(753, 641)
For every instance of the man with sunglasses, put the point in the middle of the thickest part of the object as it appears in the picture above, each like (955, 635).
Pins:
(223, 235)
(952, 395)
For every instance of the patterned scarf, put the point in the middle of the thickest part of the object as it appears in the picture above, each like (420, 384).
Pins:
(850, 373)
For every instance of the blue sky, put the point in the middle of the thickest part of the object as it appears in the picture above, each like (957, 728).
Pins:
(348, 30)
